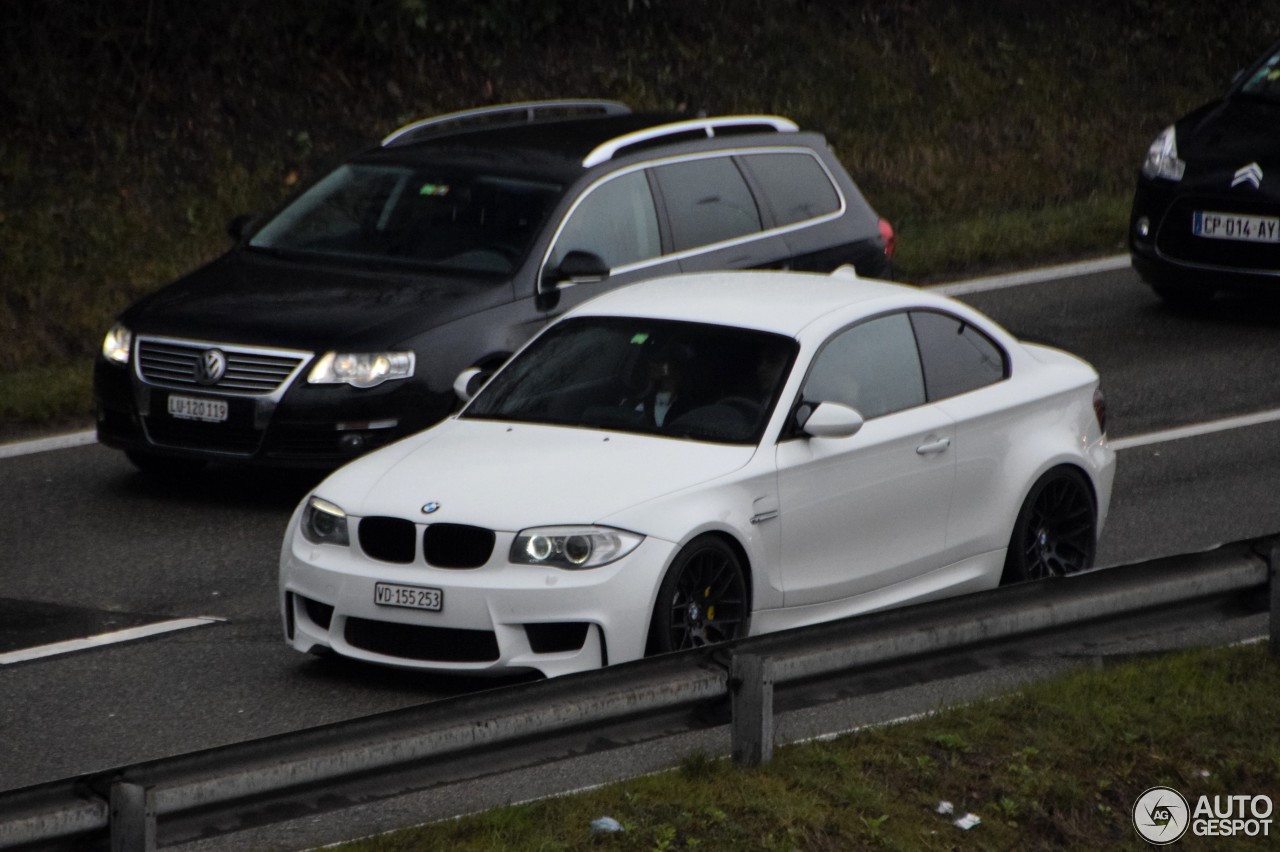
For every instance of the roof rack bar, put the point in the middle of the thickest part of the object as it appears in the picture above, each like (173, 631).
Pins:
(608, 150)
(523, 112)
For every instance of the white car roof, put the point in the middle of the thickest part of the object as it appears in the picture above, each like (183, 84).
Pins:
(783, 302)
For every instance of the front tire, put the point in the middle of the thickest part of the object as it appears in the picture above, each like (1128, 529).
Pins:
(702, 599)
(1056, 530)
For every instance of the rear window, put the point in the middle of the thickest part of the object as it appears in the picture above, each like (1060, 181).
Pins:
(796, 186)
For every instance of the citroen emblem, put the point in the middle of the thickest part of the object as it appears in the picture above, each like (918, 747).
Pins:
(1251, 173)
(431, 508)
(211, 366)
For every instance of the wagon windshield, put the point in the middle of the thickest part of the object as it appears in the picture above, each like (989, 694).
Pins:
(677, 379)
(1264, 83)
(450, 218)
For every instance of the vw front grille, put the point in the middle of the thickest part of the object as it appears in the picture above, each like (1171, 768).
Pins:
(248, 371)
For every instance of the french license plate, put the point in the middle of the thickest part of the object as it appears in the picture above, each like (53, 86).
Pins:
(1229, 226)
(197, 408)
(410, 597)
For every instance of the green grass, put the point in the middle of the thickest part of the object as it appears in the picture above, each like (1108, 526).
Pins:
(1056, 765)
(991, 135)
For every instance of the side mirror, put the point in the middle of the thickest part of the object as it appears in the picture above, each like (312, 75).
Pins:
(470, 381)
(832, 420)
(580, 267)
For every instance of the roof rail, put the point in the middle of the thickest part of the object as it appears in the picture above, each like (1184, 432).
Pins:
(608, 150)
(525, 112)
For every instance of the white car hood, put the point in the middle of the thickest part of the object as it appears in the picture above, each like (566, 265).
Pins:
(509, 476)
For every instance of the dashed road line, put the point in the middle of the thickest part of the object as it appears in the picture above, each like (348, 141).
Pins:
(103, 639)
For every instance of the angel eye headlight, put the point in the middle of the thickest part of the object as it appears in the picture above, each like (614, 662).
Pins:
(572, 547)
(324, 523)
(361, 369)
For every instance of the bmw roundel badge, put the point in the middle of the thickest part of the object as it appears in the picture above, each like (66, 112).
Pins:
(431, 508)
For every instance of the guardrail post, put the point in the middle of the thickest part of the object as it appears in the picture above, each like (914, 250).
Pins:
(751, 690)
(1273, 576)
(133, 818)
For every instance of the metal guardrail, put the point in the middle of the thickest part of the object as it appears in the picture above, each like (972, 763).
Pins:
(122, 806)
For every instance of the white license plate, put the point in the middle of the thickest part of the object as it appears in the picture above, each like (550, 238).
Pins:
(410, 597)
(197, 408)
(1229, 226)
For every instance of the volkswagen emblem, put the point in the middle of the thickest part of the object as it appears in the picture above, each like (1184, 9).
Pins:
(431, 508)
(211, 366)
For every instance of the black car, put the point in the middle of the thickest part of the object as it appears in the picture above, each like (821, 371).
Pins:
(341, 321)
(1206, 215)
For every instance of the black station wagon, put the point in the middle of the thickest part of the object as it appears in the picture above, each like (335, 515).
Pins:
(341, 321)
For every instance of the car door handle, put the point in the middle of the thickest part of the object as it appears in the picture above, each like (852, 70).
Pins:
(932, 448)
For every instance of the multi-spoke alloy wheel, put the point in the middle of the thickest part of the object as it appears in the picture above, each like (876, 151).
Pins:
(1056, 530)
(702, 600)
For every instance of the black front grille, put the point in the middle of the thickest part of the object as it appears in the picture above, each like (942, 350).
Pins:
(387, 539)
(411, 642)
(248, 371)
(457, 545)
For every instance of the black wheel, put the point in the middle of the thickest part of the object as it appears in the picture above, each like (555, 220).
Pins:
(702, 600)
(1055, 533)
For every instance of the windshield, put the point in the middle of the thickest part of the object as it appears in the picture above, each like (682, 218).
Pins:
(678, 379)
(448, 218)
(1265, 82)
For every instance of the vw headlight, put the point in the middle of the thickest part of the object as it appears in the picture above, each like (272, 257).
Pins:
(117, 343)
(573, 547)
(1162, 157)
(361, 369)
(324, 523)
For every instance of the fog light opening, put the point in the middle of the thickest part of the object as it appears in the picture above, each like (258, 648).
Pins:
(1143, 227)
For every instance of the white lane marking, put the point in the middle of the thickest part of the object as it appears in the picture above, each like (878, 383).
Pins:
(1196, 429)
(44, 445)
(1034, 276)
(127, 635)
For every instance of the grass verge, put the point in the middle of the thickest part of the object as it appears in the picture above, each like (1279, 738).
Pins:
(1056, 765)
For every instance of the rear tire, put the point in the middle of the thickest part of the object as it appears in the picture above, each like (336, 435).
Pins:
(1056, 530)
(702, 599)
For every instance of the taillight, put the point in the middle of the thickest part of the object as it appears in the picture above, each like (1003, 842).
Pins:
(1100, 409)
(887, 238)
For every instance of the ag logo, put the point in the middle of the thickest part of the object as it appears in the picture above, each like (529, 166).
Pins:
(1161, 815)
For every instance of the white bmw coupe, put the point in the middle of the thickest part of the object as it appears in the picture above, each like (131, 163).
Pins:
(699, 458)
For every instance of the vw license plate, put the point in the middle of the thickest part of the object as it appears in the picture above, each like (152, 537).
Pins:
(410, 597)
(1229, 226)
(197, 408)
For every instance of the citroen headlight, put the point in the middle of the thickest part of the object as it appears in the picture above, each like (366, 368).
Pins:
(361, 369)
(117, 343)
(573, 547)
(1162, 157)
(324, 523)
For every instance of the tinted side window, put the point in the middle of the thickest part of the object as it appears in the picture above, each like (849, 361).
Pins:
(873, 367)
(795, 185)
(616, 220)
(707, 201)
(957, 357)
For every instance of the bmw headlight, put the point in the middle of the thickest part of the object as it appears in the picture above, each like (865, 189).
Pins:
(572, 547)
(324, 523)
(1162, 157)
(361, 369)
(117, 344)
